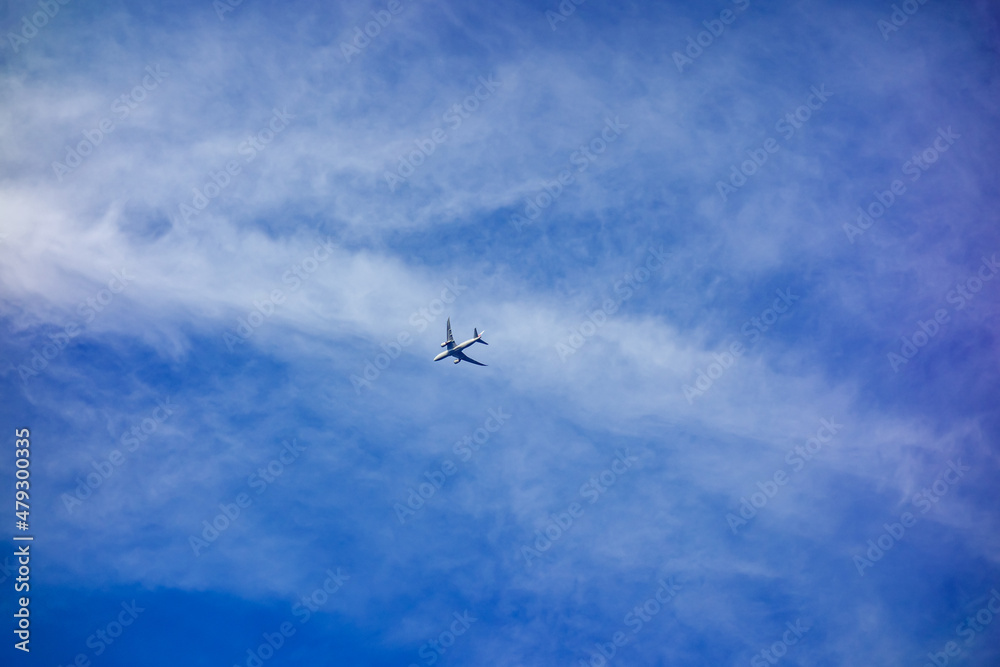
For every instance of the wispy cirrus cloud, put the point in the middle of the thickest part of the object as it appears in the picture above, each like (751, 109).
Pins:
(247, 370)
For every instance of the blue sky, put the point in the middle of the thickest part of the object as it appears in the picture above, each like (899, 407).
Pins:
(723, 422)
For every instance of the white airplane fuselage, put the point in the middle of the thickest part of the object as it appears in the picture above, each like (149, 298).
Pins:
(451, 352)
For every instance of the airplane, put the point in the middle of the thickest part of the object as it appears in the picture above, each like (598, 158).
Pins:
(456, 350)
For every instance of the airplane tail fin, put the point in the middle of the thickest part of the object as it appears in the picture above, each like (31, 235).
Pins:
(476, 335)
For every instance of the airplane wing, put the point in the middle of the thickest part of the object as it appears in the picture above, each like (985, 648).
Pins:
(450, 341)
(461, 355)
